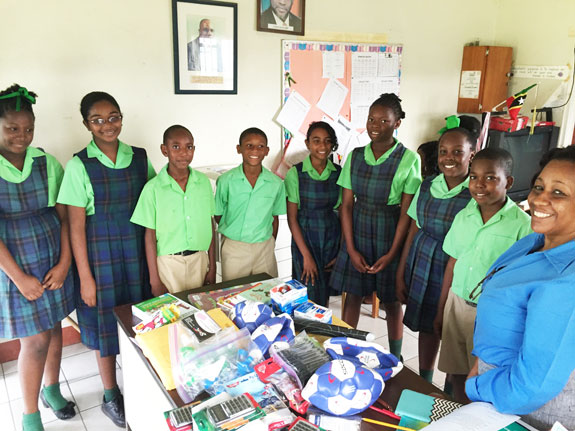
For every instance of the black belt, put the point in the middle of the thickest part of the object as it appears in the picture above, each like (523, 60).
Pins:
(185, 253)
(471, 304)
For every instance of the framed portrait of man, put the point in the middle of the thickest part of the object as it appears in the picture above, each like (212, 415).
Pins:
(281, 16)
(205, 46)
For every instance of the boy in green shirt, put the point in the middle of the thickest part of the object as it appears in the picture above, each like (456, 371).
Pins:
(249, 199)
(480, 233)
(176, 208)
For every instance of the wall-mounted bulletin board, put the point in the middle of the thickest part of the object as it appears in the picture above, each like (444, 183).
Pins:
(334, 82)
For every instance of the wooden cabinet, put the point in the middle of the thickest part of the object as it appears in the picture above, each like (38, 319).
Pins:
(484, 78)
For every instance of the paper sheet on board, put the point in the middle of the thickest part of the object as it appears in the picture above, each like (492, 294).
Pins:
(469, 86)
(356, 140)
(364, 64)
(343, 131)
(332, 98)
(296, 151)
(293, 112)
(388, 64)
(364, 91)
(333, 64)
(473, 417)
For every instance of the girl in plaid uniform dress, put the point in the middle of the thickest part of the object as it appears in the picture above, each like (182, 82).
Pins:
(36, 286)
(315, 226)
(421, 268)
(374, 225)
(108, 248)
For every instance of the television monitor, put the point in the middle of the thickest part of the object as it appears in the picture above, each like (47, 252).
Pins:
(526, 151)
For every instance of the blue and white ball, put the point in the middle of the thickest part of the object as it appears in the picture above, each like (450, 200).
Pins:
(343, 388)
(361, 352)
(278, 331)
(251, 314)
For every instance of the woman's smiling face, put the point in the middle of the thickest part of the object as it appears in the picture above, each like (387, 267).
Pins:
(552, 203)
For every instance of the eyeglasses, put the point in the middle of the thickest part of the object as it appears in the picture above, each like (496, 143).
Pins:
(100, 121)
(477, 290)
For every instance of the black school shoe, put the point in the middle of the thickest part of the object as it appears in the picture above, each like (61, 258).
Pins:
(115, 410)
(66, 412)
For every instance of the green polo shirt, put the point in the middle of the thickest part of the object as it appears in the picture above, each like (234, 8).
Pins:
(291, 180)
(438, 190)
(76, 189)
(406, 180)
(247, 213)
(182, 220)
(476, 246)
(54, 170)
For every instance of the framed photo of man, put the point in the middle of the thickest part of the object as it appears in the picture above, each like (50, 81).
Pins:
(281, 16)
(205, 44)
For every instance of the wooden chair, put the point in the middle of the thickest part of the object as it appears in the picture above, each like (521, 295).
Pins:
(374, 306)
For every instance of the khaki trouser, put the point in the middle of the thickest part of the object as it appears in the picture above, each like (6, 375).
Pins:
(240, 259)
(457, 336)
(179, 273)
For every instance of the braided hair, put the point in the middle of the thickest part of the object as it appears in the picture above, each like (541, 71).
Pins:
(16, 98)
(391, 101)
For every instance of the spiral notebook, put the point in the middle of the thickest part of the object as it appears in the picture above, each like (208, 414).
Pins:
(419, 410)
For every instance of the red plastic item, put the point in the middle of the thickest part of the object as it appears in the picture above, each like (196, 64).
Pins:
(506, 124)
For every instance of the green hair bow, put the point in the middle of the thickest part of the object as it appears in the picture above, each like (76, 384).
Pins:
(21, 92)
(451, 122)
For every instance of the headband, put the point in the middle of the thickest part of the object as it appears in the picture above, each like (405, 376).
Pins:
(451, 122)
(21, 92)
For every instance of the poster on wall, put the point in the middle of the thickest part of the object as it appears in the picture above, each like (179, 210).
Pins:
(281, 16)
(205, 46)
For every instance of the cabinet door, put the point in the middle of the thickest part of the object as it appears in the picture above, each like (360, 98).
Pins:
(496, 81)
(471, 81)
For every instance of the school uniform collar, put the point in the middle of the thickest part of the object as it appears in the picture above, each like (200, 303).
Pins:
(441, 182)
(559, 257)
(370, 157)
(31, 153)
(509, 211)
(124, 150)
(308, 167)
(265, 175)
(166, 180)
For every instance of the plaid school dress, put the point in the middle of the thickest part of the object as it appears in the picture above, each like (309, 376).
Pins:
(116, 250)
(374, 224)
(426, 260)
(320, 228)
(31, 232)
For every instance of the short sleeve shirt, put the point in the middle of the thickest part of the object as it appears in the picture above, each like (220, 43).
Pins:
(476, 246)
(182, 219)
(247, 213)
(438, 190)
(407, 178)
(76, 189)
(10, 173)
(292, 181)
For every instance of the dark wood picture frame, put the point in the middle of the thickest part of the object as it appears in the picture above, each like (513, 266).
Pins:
(270, 21)
(205, 43)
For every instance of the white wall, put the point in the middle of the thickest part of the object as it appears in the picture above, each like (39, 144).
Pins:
(64, 49)
(541, 35)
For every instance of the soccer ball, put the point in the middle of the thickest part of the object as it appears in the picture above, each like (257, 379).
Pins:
(251, 314)
(277, 331)
(343, 388)
(361, 352)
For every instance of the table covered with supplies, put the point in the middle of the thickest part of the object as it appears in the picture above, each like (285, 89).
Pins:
(146, 378)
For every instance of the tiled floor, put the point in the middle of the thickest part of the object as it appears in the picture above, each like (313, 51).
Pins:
(81, 383)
